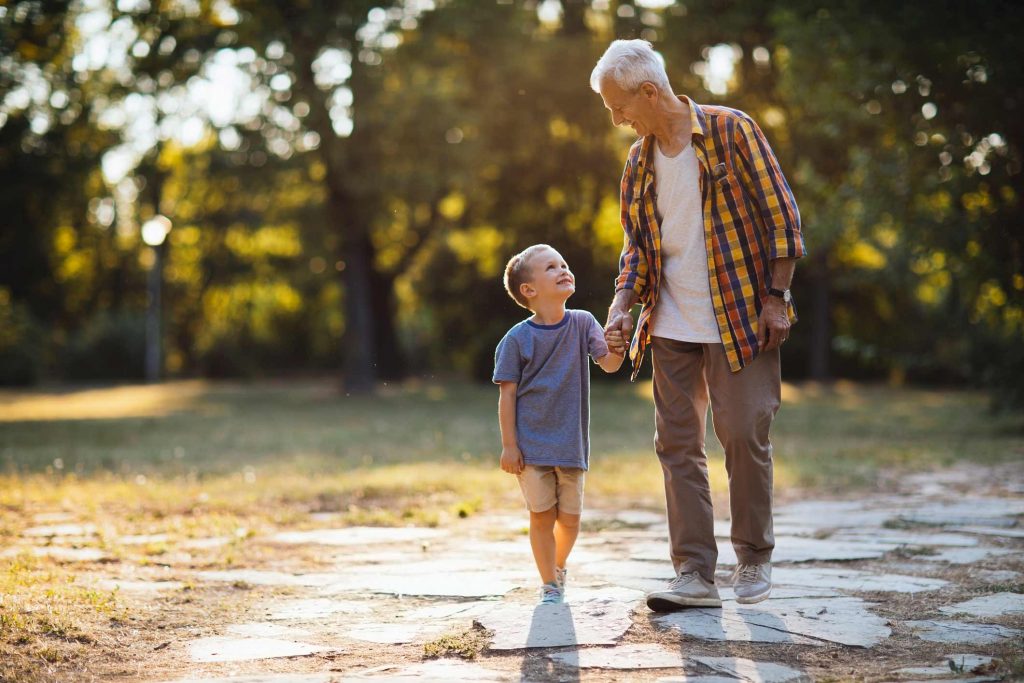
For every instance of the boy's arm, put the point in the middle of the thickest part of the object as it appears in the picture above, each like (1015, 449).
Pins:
(511, 456)
(610, 362)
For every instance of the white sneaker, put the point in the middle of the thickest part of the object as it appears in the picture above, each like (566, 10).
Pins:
(686, 590)
(752, 582)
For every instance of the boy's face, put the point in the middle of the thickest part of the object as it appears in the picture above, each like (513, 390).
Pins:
(551, 280)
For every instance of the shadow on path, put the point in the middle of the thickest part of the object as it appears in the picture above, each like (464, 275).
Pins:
(551, 626)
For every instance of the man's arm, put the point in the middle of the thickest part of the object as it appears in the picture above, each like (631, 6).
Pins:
(511, 456)
(620, 321)
(773, 323)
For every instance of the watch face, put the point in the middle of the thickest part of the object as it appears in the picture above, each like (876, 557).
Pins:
(786, 296)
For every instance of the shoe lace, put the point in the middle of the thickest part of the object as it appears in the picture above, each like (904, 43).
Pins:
(682, 580)
(551, 591)
(747, 573)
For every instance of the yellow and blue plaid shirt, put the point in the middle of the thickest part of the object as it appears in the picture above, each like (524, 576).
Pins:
(750, 218)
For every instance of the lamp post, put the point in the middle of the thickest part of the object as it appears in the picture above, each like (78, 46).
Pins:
(154, 234)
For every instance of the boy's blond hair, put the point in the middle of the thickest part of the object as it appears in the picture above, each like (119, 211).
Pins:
(517, 272)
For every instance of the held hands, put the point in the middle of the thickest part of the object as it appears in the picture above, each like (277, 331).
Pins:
(772, 324)
(618, 330)
(512, 460)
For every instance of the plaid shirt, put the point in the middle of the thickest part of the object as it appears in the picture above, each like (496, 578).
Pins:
(750, 218)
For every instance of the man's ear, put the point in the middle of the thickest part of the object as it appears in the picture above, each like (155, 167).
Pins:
(649, 90)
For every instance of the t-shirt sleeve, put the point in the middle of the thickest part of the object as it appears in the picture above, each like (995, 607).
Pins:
(508, 364)
(597, 347)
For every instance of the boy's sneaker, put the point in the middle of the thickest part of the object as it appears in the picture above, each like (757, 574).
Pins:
(551, 594)
(686, 590)
(752, 582)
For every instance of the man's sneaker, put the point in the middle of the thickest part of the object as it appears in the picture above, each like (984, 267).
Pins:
(752, 582)
(551, 594)
(686, 590)
(561, 574)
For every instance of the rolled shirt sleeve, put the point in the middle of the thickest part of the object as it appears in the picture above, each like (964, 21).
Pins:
(767, 185)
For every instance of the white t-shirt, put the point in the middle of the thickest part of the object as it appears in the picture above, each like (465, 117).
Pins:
(684, 310)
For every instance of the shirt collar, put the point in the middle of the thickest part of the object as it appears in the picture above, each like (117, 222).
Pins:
(698, 127)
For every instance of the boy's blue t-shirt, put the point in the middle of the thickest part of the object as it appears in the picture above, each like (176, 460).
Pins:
(549, 364)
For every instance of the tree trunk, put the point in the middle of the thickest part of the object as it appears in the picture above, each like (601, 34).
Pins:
(820, 334)
(390, 361)
(360, 369)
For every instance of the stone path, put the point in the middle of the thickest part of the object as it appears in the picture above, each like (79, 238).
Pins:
(889, 587)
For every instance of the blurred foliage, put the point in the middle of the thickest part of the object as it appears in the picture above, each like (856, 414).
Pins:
(352, 205)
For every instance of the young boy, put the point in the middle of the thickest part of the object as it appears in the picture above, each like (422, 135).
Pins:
(544, 405)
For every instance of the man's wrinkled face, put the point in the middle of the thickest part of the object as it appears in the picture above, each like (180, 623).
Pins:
(634, 109)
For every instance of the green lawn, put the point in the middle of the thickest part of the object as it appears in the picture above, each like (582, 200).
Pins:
(239, 448)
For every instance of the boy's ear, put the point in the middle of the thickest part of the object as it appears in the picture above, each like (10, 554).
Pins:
(527, 290)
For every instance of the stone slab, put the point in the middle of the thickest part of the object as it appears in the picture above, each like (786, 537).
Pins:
(755, 672)
(630, 657)
(854, 580)
(800, 549)
(58, 552)
(393, 634)
(360, 536)
(997, 605)
(314, 608)
(224, 649)
(60, 530)
(898, 537)
(997, 575)
(999, 532)
(258, 577)
(964, 555)
(808, 621)
(435, 670)
(596, 622)
(265, 678)
(135, 586)
(960, 633)
(260, 629)
(455, 584)
(143, 539)
(940, 669)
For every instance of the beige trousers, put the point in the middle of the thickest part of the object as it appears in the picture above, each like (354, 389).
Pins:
(743, 405)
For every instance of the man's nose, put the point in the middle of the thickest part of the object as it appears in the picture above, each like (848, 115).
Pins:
(617, 119)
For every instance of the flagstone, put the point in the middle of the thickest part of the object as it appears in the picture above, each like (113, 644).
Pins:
(266, 630)
(997, 575)
(358, 535)
(393, 634)
(996, 605)
(898, 537)
(854, 580)
(257, 577)
(964, 555)
(633, 656)
(207, 543)
(755, 672)
(961, 633)
(434, 670)
(965, 662)
(266, 678)
(60, 530)
(595, 622)
(136, 586)
(802, 621)
(58, 552)
(453, 584)
(1003, 532)
(224, 649)
(800, 549)
(315, 608)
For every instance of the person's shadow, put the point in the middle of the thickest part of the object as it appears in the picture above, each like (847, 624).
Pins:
(551, 626)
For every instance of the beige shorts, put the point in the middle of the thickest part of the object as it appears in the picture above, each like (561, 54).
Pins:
(545, 486)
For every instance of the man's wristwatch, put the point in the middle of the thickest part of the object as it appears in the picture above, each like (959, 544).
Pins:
(781, 293)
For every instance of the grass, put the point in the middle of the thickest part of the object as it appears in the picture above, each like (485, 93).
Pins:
(227, 449)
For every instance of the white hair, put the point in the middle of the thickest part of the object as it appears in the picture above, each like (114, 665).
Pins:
(630, 63)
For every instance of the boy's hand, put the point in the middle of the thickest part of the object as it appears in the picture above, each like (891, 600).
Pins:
(616, 342)
(512, 460)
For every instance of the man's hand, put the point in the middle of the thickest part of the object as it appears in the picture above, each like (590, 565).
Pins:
(618, 331)
(512, 460)
(773, 324)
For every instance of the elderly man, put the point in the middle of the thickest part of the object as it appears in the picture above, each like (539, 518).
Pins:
(712, 233)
